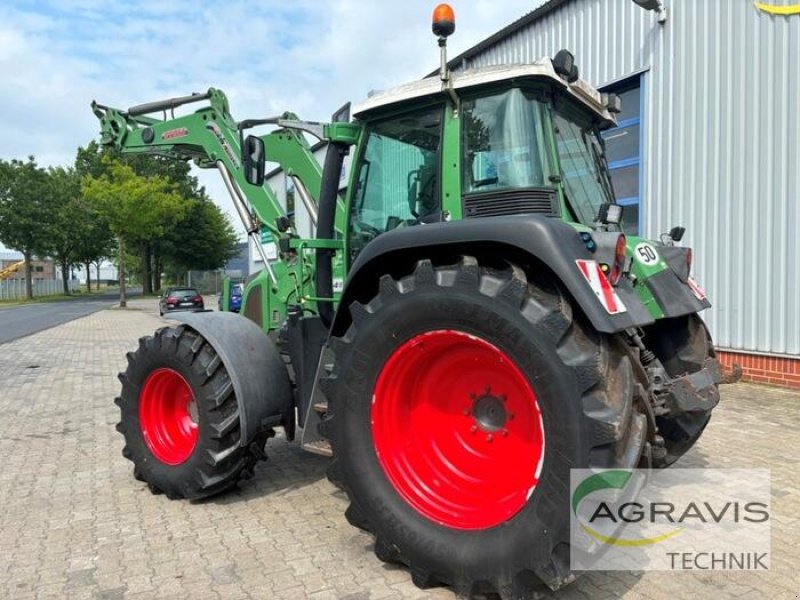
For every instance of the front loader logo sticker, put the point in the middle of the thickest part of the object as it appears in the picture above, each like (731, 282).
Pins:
(646, 254)
(173, 134)
(792, 9)
(609, 480)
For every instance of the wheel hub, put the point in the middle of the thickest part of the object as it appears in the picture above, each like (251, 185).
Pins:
(168, 416)
(489, 413)
(457, 430)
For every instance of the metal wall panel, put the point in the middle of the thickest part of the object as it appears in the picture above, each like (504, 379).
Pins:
(722, 142)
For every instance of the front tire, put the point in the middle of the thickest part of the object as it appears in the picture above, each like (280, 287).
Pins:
(180, 417)
(459, 494)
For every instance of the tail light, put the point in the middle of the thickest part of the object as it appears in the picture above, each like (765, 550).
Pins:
(198, 298)
(172, 300)
(619, 260)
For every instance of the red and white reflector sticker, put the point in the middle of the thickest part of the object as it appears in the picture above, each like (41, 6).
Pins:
(601, 286)
(698, 292)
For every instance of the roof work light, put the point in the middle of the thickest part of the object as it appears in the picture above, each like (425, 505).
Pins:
(564, 66)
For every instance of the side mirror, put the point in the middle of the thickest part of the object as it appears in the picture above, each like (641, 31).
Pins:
(254, 160)
(342, 115)
(676, 233)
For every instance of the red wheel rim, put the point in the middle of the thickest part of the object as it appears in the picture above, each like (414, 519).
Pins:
(457, 429)
(166, 408)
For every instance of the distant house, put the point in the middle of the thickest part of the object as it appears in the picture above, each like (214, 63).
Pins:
(43, 270)
(108, 273)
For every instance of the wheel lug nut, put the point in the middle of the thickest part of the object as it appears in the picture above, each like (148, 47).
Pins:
(473, 429)
(505, 432)
(489, 438)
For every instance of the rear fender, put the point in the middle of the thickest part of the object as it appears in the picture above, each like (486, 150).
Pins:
(259, 377)
(550, 242)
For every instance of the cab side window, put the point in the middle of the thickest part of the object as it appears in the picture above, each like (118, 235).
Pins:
(398, 177)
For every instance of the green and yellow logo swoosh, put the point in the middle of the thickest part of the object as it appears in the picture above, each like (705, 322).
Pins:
(616, 479)
(792, 9)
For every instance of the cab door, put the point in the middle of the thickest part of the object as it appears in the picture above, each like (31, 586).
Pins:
(397, 177)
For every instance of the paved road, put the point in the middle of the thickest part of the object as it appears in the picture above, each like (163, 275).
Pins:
(75, 523)
(26, 319)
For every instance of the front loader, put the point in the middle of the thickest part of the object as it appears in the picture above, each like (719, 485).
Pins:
(468, 324)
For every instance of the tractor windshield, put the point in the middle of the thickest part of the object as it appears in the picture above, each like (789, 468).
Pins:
(583, 170)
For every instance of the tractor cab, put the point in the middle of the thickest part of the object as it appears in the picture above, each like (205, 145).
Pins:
(501, 141)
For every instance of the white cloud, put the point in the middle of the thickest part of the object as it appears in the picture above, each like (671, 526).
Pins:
(306, 56)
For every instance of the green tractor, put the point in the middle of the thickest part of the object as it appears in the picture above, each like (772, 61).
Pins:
(467, 325)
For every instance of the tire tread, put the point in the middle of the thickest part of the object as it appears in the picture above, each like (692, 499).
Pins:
(594, 363)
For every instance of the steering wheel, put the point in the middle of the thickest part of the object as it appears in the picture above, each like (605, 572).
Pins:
(366, 230)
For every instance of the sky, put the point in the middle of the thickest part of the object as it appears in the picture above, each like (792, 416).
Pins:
(270, 56)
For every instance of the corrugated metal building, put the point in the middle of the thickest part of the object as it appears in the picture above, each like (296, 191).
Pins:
(709, 138)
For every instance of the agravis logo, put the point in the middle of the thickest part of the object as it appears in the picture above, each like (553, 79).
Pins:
(617, 480)
(672, 519)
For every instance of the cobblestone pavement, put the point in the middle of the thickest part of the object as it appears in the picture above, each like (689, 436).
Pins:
(74, 523)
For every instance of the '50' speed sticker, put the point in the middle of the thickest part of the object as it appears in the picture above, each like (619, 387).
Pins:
(646, 254)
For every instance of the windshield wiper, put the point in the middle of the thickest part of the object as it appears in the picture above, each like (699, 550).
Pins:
(602, 172)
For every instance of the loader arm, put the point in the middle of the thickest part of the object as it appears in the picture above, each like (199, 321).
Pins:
(212, 138)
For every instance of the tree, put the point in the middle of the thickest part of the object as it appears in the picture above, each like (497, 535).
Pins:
(94, 240)
(23, 211)
(203, 240)
(137, 208)
(63, 224)
(93, 160)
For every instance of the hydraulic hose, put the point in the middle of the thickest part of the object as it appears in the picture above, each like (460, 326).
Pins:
(169, 103)
(328, 194)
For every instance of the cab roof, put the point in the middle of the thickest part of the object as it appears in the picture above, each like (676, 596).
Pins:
(584, 93)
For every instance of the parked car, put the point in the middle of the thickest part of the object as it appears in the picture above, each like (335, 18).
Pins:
(235, 303)
(180, 298)
(236, 297)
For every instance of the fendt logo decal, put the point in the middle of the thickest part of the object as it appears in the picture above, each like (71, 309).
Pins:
(224, 143)
(792, 9)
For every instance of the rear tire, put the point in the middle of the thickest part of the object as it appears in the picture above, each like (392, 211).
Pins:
(155, 425)
(582, 382)
(682, 345)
